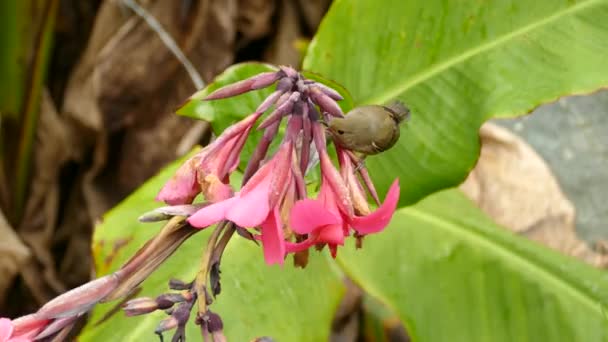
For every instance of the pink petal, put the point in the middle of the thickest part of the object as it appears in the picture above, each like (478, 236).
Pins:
(281, 174)
(212, 213)
(259, 176)
(332, 177)
(272, 239)
(251, 209)
(19, 339)
(332, 234)
(380, 218)
(182, 187)
(29, 326)
(6, 329)
(291, 247)
(307, 215)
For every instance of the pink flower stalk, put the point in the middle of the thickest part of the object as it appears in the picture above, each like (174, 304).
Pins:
(7, 332)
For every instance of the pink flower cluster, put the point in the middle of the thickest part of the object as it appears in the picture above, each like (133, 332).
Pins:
(274, 199)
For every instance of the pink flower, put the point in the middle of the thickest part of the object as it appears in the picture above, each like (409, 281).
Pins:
(257, 204)
(329, 218)
(208, 171)
(325, 223)
(7, 332)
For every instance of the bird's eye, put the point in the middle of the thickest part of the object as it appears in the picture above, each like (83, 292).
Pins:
(340, 132)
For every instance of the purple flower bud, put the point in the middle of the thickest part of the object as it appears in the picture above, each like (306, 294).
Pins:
(285, 85)
(166, 324)
(167, 300)
(176, 284)
(269, 101)
(280, 111)
(214, 322)
(289, 71)
(140, 306)
(325, 102)
(313, 113)
(328, 91)
(256, 82)
(283, 98)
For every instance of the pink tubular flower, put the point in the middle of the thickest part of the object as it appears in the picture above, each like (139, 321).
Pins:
(208, 171)
(8, 334)
(257, 204)
(329, 218)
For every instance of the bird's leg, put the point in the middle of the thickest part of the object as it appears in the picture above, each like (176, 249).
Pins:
(359, 161)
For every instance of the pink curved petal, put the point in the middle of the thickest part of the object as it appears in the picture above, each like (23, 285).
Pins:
(211, 214)
(380, 218)
(6, 329)
(182, 187)
(258, 177)
(307, 215)
(29, 326)
(332, 234)
(272, 239)
(294, 247)
(251, 209)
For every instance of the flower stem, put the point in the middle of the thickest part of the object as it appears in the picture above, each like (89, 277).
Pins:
(200, 283)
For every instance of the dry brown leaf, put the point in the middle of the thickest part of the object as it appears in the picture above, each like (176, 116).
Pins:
(254, 19)
(313, 11)
(128, 84)
(512, 184)
(283, 49)
(13, 254)
(37, 228)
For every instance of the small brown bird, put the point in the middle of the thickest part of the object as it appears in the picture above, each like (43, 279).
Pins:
(369, 129)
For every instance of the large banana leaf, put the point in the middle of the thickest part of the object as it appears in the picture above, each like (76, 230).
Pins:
(453, 275)
(457, 64)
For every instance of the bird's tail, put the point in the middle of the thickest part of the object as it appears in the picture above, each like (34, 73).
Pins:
(399, 110)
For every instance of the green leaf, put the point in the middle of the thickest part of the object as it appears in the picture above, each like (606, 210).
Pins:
(285, 303)
(453, 275)
(456, 65)
(26, 40)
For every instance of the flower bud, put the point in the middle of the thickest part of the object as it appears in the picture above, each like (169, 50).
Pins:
(166, 324)
(328, 91)
(325, 102)
(280, 111)
(140, 306)
(176, 284)
(256, 82)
